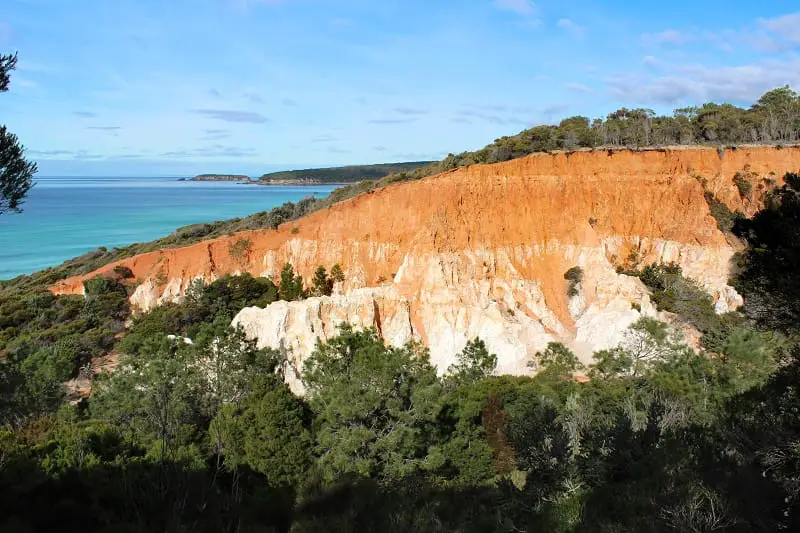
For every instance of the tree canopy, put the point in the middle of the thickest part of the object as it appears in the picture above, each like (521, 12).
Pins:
(16, 173)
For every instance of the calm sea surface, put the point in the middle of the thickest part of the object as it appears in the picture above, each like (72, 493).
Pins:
(65, 217)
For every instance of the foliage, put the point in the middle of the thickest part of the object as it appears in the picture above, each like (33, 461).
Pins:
(767, 280)
(557, 361)
(46, 340)
(726, 219)
(323, 285)
(16, 173)
(276, 436)
(217, 302)
(291, 286)
(337, 275)
(373, 403)
(240, 250)
(674, 293)
(574, 276)
(475, 364)
(743, 184)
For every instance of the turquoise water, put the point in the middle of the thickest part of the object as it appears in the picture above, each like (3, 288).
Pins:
(66, 217)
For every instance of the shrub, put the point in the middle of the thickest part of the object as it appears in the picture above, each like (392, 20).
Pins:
(744, 185)
(722, 214)
(674, 293)
(291, 286)
(123, 272)
(240, 250)
(337, 274)
(575, 276)
(323, 285)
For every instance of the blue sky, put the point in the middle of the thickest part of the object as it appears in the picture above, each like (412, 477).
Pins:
(174, 87)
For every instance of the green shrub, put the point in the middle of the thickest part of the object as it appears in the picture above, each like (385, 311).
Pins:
(574, 276)
(240, 250)
(743, 184)
(726, 219)
(123, 272)
(291, 286)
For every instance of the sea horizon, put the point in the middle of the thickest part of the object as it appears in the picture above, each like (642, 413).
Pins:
(67, 216)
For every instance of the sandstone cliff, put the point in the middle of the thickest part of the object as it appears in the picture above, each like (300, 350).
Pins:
(482, 251)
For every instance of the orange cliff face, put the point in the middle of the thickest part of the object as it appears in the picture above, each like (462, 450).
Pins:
(482, 251)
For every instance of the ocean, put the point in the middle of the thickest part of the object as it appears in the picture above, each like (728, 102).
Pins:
(65, 217)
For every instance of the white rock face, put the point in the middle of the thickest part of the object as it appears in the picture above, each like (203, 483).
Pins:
(295, 327)
(446, 299)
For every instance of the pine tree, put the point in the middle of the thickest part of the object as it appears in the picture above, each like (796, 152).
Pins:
(16, 173)
(291, 286)
(323, 285)
(336, 273)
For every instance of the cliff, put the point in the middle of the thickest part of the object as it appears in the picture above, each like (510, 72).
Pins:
(482, 251)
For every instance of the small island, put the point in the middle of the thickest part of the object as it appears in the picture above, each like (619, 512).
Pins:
(219, 177)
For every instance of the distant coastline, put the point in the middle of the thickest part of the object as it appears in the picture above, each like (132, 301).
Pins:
(219, 177)
(338, 176)
(298, 182)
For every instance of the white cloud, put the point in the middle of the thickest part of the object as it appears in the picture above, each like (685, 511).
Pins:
(673, 37)
(651, 61)
(570, 26)
(743, 84)
(411, 110)
(786, 27)
(579, 87)
(521, 7)
(227, 115)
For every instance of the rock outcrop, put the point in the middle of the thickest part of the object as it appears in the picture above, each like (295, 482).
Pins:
(482, 251)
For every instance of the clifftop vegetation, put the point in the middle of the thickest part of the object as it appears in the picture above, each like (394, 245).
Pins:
(773, 119)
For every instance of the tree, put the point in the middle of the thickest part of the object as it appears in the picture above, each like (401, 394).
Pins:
(373, 405)
(16, 173)
(153, 397)
(277, 441)
(647, 342)
(323, 285)
(336, 273)
(558, 361)
(474, 363)
(291, 286)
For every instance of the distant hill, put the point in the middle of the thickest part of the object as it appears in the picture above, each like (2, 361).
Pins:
(218, 177)
(337, 175)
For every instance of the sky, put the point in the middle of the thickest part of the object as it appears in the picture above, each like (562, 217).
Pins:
(179, 87)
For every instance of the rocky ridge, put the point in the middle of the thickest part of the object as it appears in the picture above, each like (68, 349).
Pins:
(482, 251)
